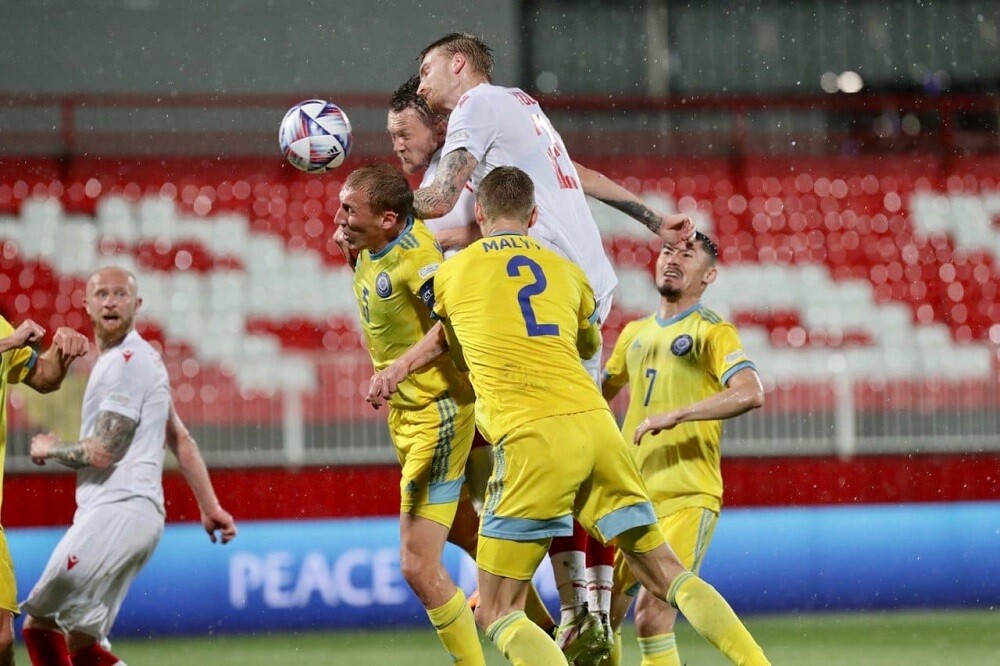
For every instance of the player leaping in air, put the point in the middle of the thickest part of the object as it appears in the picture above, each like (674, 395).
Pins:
(491, 126)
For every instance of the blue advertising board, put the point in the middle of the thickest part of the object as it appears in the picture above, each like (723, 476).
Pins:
(292, 575)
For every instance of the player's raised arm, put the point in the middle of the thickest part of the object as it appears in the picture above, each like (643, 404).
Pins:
(439, 197)
(214, 518)
(672, 228)
(431, 347)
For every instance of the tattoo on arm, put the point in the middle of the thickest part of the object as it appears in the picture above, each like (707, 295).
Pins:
(440, 196)
(115, 433)
(638, 212)
(72, 455)
(112, 436)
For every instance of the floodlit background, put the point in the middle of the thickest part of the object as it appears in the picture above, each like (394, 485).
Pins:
(845, 156)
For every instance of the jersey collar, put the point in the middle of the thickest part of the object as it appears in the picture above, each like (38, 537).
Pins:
(506, 233)
(395, 241)
(677, 317)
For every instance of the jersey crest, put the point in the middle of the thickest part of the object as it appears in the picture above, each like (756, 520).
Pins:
(383, 285)
(681, 345)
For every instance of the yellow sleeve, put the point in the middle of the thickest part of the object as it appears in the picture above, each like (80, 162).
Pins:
(22, 360)
(438, 287)
(725, 354)
(588, 339)
(616, 370)
(422, 264)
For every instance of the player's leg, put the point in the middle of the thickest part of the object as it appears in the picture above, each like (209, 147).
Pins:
(537, 470)
(615, 505)
(45, 642)
(689, 531)
(433, 445)
(8, 603)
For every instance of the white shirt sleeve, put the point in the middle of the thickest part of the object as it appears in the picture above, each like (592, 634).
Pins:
(127, 383)
(472, 126)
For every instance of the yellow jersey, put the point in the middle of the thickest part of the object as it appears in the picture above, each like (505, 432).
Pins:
(671, 364)
(14, 367)
(523, 315)
(394, 288)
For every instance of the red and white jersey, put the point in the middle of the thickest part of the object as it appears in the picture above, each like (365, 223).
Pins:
(464, 212)
(506, 127)
(130, 380)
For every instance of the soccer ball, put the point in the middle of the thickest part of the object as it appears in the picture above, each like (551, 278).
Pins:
(315, 136)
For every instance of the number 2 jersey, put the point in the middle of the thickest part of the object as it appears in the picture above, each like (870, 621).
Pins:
(506, 127)
(517, 310)
(670, 364)
(394, 290)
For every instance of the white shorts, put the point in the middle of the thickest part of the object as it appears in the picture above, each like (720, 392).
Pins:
(593, 365)
(90, 570)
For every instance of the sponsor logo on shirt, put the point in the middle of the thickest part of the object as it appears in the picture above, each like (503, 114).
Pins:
(428, 270)
(119, 398)
(127, 355)
(460, 135)
(681, 345)
(734, 355)
(383, 285)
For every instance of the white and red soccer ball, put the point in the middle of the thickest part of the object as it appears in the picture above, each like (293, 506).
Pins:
(315, 136)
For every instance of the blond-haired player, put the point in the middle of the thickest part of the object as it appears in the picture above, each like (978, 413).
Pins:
(491, 126)
(431, 417)
(687, 370)
(524, 317)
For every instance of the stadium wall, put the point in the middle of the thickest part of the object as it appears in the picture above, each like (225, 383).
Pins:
(345, 573)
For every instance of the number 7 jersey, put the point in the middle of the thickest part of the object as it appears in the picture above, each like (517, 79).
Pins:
(517, 310)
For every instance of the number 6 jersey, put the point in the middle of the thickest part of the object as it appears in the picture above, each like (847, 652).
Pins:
(521, 314)
(506, 127)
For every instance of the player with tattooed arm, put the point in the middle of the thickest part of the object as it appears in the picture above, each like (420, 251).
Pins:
(128, 420)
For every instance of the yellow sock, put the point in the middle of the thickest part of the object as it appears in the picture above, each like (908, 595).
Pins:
(456, 627)
(659, 650)
(523, 642)
(536, 610)
(713, 618)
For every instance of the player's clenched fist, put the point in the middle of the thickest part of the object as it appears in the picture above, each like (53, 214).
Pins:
(27, 333)
(70, 343)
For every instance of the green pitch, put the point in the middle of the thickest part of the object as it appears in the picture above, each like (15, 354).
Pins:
(970, 638)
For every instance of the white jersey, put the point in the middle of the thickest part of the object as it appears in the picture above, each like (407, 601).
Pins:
(461, 215)
(506, 127)
(130, 380)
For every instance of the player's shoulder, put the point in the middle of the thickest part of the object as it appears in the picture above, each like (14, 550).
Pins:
(632, 328)
(710, 317)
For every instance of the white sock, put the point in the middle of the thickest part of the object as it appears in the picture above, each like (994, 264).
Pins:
(599, 588)
(570, 571)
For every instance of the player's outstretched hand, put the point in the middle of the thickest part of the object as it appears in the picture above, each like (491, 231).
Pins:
(676, 228)
(654, 424)
(70, 343)
(383, 384)
(219, 520)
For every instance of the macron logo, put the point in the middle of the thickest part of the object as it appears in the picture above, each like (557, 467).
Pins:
(127, 355)
(71, 562)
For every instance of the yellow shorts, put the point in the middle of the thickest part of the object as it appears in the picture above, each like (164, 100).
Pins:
(689, 531)
(432, 445)
(8, 584)
(547, 471)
